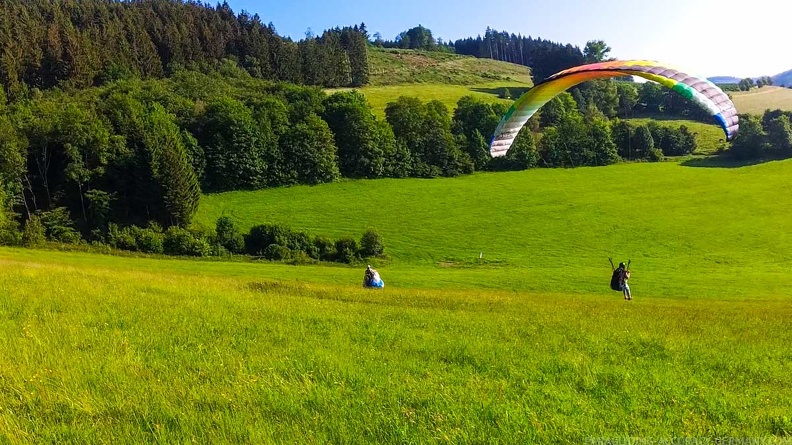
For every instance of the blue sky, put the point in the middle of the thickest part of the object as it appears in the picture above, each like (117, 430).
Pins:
(705, 37)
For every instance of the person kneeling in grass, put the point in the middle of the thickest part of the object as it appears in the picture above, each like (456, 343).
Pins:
(371, 278)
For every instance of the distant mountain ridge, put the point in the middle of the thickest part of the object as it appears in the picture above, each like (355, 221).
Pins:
(724, 79)
(781, 79)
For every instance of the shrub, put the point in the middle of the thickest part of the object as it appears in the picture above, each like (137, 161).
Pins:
(100, 247)
(298, 241)
(227, 235)
(324, 248)
(277, 252)
(673, 141)
(261, 236)
(200, 231)
(235, 245)
(122, 238)
(257, 240)
(10, 237)
(59, 227)
(347, 249)
(153, 225)
(96, 236)
(687, 141)
(179, 241)
(301, 258)
(9, 228)
(128, 238)
(149, 241)
(371, 244)
(200, 247)
(9, 232)
(311, 251)
(33, 233)
(655, 154)
(217, 250)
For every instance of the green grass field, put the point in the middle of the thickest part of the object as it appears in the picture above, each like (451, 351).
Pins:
(552, 229)
(110, 350)
(527, 346)
(758, 100)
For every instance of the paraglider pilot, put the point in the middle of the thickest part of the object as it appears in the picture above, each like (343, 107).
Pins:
(371, 278)
(619, 280)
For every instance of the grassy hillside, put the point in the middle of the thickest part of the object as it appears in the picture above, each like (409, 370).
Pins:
(758, 100)
(111, 350)
(439, 76)
(398, 67)
(553, 229)
(783, 79)
(709, 137)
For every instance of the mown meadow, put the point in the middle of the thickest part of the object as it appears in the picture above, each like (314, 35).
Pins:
(526, 345)
(758, 100)
(693, 229)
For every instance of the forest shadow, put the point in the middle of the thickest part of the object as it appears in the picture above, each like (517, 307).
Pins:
(722, 161)
(515, 92)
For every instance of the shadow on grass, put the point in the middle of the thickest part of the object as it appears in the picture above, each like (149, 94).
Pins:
(515, 92)
(721, 161)
(668, 117)
(473, 263)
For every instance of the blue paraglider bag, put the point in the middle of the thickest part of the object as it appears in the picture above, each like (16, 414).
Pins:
(373, 279)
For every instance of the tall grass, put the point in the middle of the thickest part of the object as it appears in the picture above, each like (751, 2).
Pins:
(95, 353)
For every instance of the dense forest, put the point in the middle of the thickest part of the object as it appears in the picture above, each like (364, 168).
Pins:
(543, 56)
(82, 43)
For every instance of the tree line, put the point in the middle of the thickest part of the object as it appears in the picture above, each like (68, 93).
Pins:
(417, 37)
(543, 56)
(766, 136)
(748, 83)
(50, 43)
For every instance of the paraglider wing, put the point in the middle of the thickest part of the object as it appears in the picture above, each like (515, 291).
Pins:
(700, 91)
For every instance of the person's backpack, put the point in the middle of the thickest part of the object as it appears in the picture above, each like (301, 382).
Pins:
(616, 279)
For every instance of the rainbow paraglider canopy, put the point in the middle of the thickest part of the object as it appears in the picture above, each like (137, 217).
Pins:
(699, 90)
